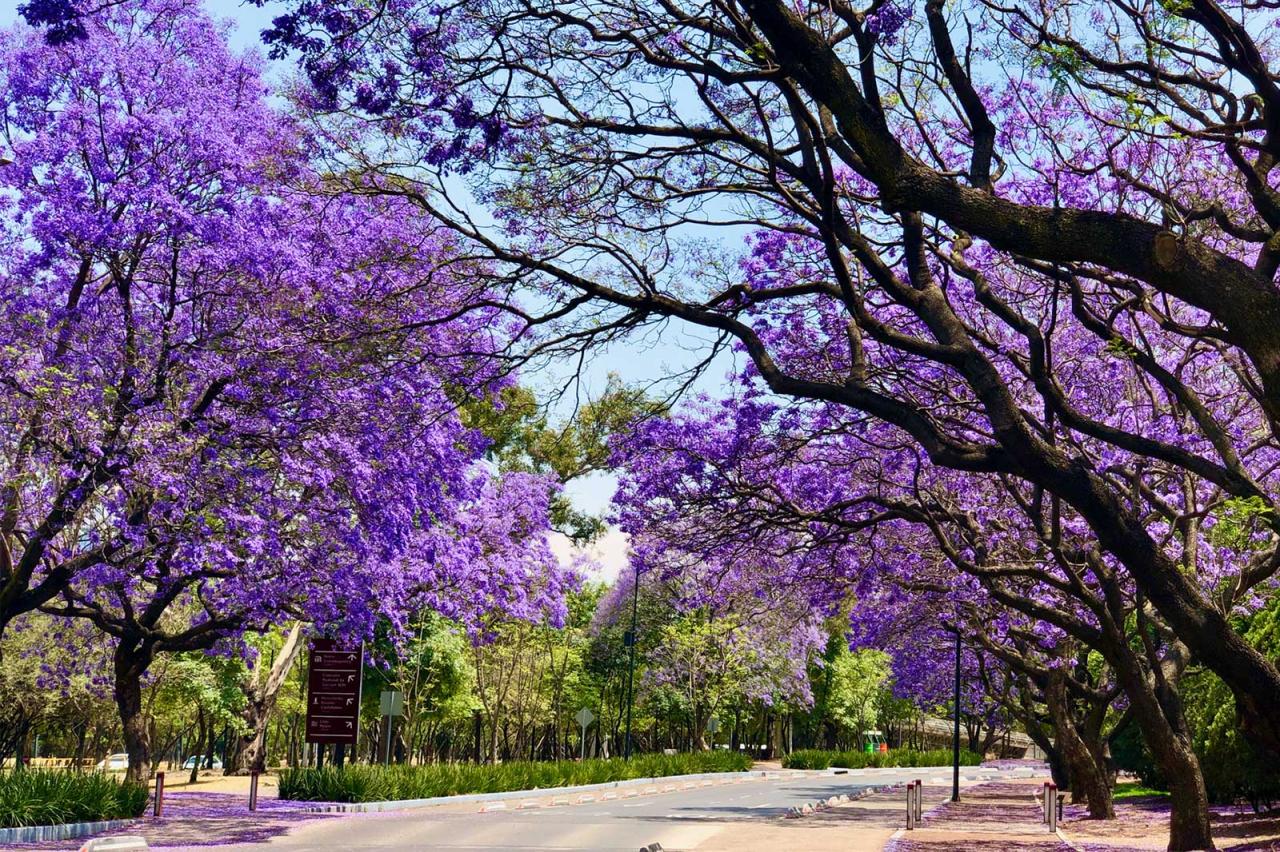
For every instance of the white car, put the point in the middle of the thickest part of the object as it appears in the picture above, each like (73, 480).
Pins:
(114, 763)
(190, 763)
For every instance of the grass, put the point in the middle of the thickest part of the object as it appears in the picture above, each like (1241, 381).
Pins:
(819, 759)
(52, 797)
(1134, 790)
(393, 783)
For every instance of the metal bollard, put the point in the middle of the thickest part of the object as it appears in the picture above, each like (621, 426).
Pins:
(911, 805)
(157, 809)
(919, 801)
(1053, 808)
(253, 791)
(1044, 811)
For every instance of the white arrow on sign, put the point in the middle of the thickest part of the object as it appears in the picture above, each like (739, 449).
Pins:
(585, 717)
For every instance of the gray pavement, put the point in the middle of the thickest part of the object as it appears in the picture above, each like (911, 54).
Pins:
(679, 819)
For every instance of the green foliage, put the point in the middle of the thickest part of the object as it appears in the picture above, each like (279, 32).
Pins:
(1131, 790)
(1130, 755)
(522, 438)
(42, 797)
(857, 684)
(193, 680)
(1238, 520)
(1233, 768)
(1063, 64)
(395, 783)
(820, 759)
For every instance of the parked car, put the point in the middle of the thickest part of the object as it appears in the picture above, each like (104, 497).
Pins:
(114, 763)
(191, 761)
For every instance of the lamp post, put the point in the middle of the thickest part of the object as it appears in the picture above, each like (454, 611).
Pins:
(630, 640)
(955, 739)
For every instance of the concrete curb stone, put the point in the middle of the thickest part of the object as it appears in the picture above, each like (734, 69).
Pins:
(64, 831)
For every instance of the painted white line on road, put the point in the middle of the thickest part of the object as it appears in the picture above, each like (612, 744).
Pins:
(765, 805)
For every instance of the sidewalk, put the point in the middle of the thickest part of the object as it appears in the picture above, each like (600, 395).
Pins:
(864, 825)
(1142, 825)
(204, 819)
(990, 817)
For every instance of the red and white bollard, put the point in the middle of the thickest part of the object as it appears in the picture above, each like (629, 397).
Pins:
(157, 809)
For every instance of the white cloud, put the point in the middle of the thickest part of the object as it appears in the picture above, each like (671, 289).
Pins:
(607, 555)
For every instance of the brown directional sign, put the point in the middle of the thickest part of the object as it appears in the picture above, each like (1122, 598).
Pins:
(333, 693)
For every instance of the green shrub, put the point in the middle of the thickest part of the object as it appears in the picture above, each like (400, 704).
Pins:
(358, 783)
(819, 759)
(1233, 768)
(51, 797)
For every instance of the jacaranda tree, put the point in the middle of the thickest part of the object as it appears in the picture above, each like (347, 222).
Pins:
(230, 399)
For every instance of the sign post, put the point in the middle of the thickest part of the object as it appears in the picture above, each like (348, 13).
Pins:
(390, 704)
(333, 693)
(713, 727)
(585, 717)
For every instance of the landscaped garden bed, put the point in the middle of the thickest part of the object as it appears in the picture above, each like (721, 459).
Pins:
(395, 783)
(822, 759)
(53, 797)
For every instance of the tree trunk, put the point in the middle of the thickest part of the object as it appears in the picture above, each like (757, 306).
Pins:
(196, 752)
(261, 694)
(81, 734)
(130, 662)
(1088, 778)
(1165, 732)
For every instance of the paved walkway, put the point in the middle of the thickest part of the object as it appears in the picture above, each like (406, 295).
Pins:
(991, 817)
(206, 819)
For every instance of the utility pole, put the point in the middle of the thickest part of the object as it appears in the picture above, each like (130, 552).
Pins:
(955, 741)
(630, 640)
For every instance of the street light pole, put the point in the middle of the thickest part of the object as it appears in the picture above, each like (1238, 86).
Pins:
(955, 740)
(631, 661)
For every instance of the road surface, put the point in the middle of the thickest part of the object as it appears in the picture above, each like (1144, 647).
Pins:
(678, 820)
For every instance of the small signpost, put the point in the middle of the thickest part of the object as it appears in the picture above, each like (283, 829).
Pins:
(333, 693)
(584, 717)
(390, 704)
(713, 727)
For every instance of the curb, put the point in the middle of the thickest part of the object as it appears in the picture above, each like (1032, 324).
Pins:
(842, 798)
(1063, 837)
(63, 831)
(498, 801)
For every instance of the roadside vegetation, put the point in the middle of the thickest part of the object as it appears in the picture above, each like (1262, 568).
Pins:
(52, 797)
(394, 783)
(821, 759)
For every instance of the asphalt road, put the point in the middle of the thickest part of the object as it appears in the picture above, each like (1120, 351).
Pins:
(677, 820)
